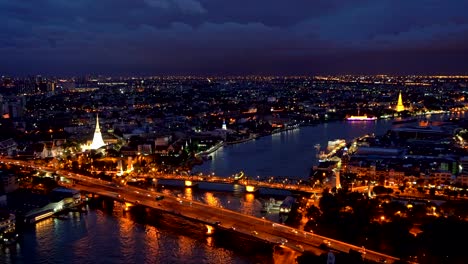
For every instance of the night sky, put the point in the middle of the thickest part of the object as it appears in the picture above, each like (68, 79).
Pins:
(233, 37)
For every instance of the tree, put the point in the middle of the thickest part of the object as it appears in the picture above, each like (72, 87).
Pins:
(313, 212)
(420, 189)
(309, 257)
(379, 189)
(402, 188)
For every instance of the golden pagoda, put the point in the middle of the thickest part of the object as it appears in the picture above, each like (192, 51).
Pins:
(400, 107)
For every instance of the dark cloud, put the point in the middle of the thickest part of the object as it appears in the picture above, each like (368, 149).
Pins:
(232, 37)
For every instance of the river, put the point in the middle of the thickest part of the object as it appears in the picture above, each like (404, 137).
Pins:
(110, 236)
(292, 153)
(288, 154)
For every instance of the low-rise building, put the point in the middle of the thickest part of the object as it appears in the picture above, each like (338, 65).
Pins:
(7, 226)
(8, 147)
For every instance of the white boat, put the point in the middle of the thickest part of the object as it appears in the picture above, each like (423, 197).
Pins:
(361, 118)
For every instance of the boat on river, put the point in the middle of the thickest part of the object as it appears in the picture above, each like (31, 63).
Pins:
(361, 118)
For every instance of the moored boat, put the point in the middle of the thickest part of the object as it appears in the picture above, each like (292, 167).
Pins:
(361, 118)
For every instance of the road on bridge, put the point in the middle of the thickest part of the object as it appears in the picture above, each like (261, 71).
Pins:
(217, 217)
(226, 219)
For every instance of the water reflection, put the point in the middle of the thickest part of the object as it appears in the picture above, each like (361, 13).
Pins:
(125, 235)
(188, 193)
(103, 236)
(291, 153)
(209, 241)
(151, 243)
(211, 200)
(185, 247)
(238, 190)
(248, 206)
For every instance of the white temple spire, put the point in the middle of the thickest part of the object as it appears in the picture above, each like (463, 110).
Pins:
(97, 138)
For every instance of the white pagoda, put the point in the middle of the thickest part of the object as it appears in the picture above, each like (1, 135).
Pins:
(97, 138)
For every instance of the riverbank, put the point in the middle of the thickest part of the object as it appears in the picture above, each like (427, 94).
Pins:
(257, 136)
(251, 137)
(210, 150)
(292, 154)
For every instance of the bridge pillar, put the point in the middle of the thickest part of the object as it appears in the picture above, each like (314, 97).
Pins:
(127, 206)
(250, 188)
(209, 230)
(337, 178)
(189, 183)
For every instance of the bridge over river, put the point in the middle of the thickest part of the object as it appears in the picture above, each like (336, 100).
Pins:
(251, 185)
(215, 218)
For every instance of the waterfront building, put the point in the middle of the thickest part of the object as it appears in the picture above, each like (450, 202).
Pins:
(420, 133)
(144, 149)
(359, 117)
(8, 147)
(378, 151)
(7, 225)
(287, 204)
(463, 179)
(463, 176)
(8, 182)
(58, 200)
(442, 176)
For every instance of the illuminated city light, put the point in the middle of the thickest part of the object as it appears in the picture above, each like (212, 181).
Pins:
(250, 188)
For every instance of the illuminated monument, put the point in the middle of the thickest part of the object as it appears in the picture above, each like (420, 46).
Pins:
(97, 139)
(400, 107)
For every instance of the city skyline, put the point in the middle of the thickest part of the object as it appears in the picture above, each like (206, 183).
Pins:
(205, 37)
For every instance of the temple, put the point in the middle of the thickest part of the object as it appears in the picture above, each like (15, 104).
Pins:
(400, 107)
(97, 138)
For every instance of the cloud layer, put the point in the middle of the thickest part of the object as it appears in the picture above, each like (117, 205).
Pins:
(232, 37)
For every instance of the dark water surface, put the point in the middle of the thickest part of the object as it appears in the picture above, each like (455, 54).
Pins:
(108, 235)
(288, 154)
(292, 153)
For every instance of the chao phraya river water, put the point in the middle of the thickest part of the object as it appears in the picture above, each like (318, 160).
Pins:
(107, 235)
(288, 154)
(291, 153)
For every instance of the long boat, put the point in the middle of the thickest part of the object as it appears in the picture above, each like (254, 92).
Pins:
(361, 118)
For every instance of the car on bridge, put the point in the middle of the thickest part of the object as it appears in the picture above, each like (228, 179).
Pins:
(300, 247)
(362, 250)
(282, 241)
(325, 245)
(383, 260)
